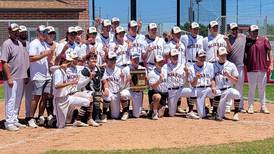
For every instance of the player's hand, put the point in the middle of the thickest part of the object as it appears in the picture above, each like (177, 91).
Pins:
(73, 82)
(92, 75)
(149, 48)
(106, 92)
(93, 49)
(129, 44)
(116, 47)
(129, 78)
(139, 24)
(214, 91)
(122, 75)
(66, 47)
(26, 80)
(198, 75)
(10, 83)
(105, 48)
(97, 22)
(226, 74)
(177, 45)
(225, 38)
(161, 77)
(270, 68)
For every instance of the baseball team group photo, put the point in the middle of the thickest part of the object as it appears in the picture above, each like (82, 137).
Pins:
(116, 84)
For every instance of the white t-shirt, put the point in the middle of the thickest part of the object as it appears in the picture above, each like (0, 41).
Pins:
(206, 71)
(39, 70)
(99, 51)
(192, 45)
(138, 44)
(221, 80)
(181, 49)
(123, 56)
(211, 45)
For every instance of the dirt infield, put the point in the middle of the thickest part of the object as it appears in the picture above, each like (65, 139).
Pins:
(140, 133)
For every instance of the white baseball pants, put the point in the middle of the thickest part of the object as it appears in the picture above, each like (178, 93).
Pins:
(28, 97)
(227, 95)
(137, 103)
(201, 94)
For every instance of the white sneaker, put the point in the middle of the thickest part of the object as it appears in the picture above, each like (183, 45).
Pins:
(19, 125)
(264, 110)
(49, 117)
(227, 109)
(155, 116)
(41, 121)
(192, 115)
(104, 118)
(32, 123)
(92, 123)
(78, 123)
(235, 117)
(12, 128)
(125, 116)
(250, 109)
(180, 110)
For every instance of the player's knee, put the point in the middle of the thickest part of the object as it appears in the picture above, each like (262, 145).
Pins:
(156, 98)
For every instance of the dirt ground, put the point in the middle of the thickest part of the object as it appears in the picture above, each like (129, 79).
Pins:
(140, 133)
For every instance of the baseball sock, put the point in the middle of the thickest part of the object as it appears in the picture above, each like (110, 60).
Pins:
(190, 103)
(236, 105)
(216, 101)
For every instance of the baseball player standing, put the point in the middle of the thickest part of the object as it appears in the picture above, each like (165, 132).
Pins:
(15, 62)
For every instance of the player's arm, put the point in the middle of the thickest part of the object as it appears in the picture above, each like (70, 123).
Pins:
(6, 70)
(158, 82)
(105, 87)
(230, 77)
(58, 57)
(269, 55)
(213, 86)
(228, 45)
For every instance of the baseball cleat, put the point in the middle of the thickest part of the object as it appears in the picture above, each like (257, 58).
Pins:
(32, 123)
(242, 110)
(78, 123)
(41, 120)
(125, 116)
(235, 117)
(180, 110)
(155, 116)
(250, 110)
(264, 110)
(192, 115)
(12, 128)
(227, 110)
(92, 123)
(103, 118)
(19, 125)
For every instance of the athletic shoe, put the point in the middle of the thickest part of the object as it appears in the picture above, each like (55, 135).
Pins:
(125, 116)
(32, 123)
(41, 121)
(180, 110)
(19, 125)
(264, 110)
(235, 117)
(143, 113)
(155, 116)
(78, 123)
(103, 118)
(250, 109)
(92, 123)
(12, 128)
(192, 115)
(227, 109)
(242, 110)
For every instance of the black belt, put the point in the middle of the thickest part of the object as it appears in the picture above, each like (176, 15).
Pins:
(125, 65)
(151, 63)
(175, 88)
(212, 61)
(202, 87)
(192, 61)
(222, 89)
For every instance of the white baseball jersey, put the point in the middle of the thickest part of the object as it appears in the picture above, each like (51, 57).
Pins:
(113, 76)
(192, 45)
(158, 44)
(59, 77)
(138, 44)
(154, 76)
(103, 40)
(175, 75)
(211, 45)
(74, 47)
(123, 56)
(221, 80)
(86, 48)
(206, 71)
(181, 49)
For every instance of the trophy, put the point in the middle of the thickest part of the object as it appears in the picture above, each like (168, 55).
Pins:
(138, 80)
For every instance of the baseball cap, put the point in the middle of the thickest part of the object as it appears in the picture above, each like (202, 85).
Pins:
(13, 27)
(132, 23)
(233, 25)
(135, 55)
(92, 30)
(72, 30)
(106, 22)
(159, 58)
(213, 23)
(112, 55)
(152, 26)
(174, 52)
(194, 25)
(115, 19)
(176, 30)
(71, 55)
(201, 53)
(78, 28)
(22, 28)
(253, 28)
(222, 51)
(120, 29)
(41, 29)
(50, 29)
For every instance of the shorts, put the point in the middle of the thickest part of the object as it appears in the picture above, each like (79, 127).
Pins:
(164, 97)
(41, 87)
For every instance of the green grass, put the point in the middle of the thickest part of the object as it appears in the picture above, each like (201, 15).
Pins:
(1, 92)
(261, 146)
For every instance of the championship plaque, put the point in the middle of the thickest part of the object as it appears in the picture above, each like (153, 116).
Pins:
(138, 80)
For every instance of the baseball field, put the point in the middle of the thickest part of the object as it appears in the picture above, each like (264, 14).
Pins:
(252, 134)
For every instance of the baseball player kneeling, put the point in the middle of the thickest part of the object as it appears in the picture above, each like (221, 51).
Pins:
(226, 74)
(115, 90)
(157, 79)
(177, 75)
(64, 102)
(201, 76)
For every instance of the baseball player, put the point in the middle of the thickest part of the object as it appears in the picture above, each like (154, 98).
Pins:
(212, 42)
(115, 90)
(15, 62)
(157, 78)
(236, 48)
(65, 100)
(177, 75)
(115, 22)
(137, 96)
(91, 46)
(201, 76)
(155, 46)
(226, 74)
(120, 48)
(136, 42)
(105, 37)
